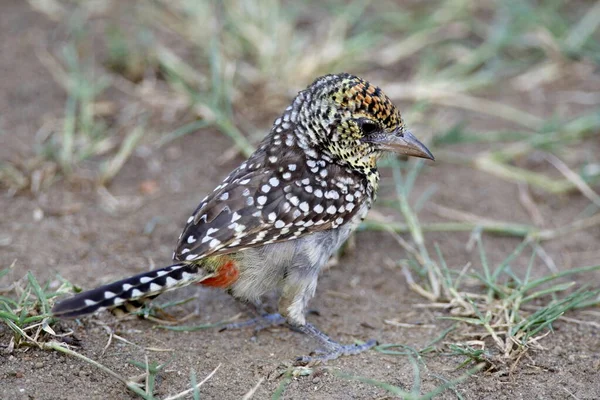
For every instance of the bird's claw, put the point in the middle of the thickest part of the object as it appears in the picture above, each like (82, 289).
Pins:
(336, 351)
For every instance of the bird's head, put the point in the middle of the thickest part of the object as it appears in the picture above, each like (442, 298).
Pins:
(354, 121)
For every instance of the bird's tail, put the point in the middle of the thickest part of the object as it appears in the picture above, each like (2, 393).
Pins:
(130, 293)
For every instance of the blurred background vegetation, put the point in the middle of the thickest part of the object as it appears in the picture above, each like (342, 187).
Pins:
(511, 76)
(510, 88)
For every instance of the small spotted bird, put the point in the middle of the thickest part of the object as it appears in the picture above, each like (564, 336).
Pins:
(274, 222)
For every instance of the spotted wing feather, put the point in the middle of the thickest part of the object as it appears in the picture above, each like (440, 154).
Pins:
(280, 193)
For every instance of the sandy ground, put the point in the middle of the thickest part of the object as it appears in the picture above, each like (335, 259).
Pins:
(93, 245)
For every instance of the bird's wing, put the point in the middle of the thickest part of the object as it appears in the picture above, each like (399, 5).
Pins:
(281, 192)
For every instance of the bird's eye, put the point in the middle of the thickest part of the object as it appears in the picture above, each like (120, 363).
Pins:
(369, 127)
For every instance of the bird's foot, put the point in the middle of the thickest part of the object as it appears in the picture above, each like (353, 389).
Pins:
(323, 355)
(331, 349)
(259, 323)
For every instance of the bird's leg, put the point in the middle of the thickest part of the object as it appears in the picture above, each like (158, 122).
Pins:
(331, 349)
(262, 319)
(299, 287)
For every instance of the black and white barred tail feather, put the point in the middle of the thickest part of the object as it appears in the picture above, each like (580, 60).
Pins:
(126, 293)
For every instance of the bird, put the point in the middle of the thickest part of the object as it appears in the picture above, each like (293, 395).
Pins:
(275, 220)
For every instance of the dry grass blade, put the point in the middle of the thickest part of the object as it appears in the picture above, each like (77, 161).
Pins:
(437, 93)
(171, 62)
(113, 166)
(581, 224)
(62, 349)
(252, 391)
(51, 8)
(409, 46)
(498, 228)
(199, 384)
(584, 29)
(415, 286)
(583, 187)
(488, 163)
(58, 72)
(529, 205)
(451, 213)
(545, 72)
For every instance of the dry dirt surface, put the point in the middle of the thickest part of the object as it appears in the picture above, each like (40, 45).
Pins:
(70, 230)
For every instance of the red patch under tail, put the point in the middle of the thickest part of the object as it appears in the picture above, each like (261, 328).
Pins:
(225, 276)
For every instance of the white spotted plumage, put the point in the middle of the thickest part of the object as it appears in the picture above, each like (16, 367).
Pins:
(273, 194)
(276, 219)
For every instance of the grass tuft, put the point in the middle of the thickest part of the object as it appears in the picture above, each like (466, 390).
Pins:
(502, 313)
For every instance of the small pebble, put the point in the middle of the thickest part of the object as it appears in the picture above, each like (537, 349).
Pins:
(38, 214)
(39, 365)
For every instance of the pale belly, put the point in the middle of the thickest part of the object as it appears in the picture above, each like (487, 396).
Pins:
(264, 269)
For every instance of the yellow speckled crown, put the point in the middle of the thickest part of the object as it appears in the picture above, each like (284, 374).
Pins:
(329, 114)
(358, 97)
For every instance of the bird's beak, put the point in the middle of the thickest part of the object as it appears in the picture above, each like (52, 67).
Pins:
(406, 144)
